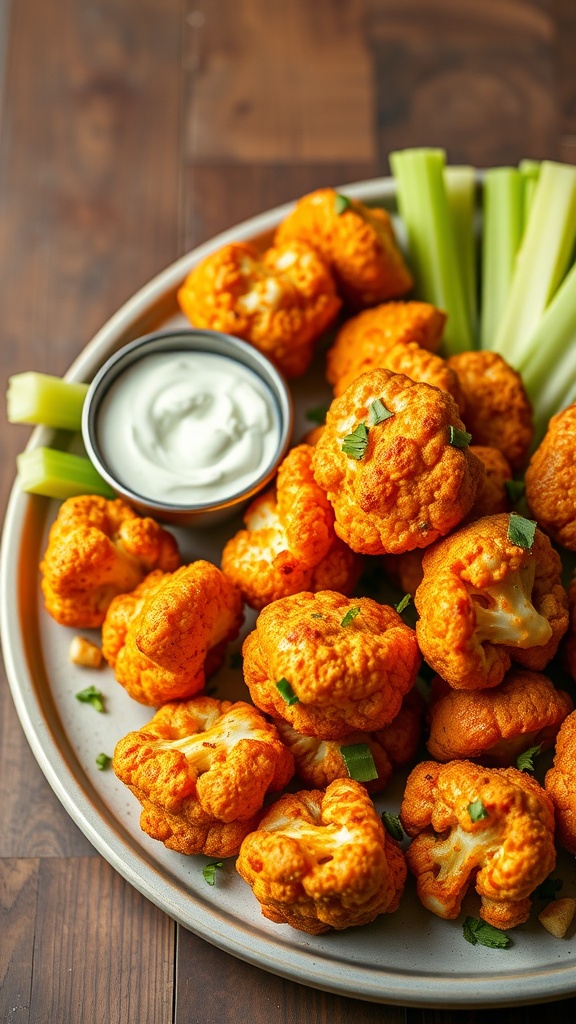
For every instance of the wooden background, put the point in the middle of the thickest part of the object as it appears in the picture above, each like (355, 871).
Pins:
(130, 131)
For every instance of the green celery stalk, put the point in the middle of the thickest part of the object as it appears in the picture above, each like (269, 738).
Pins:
(460, 182)
(57, 474)
(40, 398)
(424, 208)
(503, 207)
(530, 171)
(542, 260)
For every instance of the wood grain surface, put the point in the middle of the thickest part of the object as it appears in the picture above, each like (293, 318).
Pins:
(132, 130)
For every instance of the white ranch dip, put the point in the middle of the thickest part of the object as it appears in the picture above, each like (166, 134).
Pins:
(188, 427)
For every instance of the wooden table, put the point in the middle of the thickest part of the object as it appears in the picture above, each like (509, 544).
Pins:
(131, 130)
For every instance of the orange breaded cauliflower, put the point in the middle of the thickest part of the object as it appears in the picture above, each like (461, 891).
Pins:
(570, 649)
(551, 479)
(492, 496)
(495, 725)
(201, 770)
(96, 549)
(348, 662)
(280, 302)
(363, 341)
(560, 784)
(408, 484)
(169, 634)
(491, 828)
(358, 244)
(322, 861)
(485, 602)
(289, 543)
(498, 412)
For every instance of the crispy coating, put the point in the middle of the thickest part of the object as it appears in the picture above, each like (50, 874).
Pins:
(201, 769)
(280, 302)
(570, 647)
(551, 479)
(505, 854)
(560, 784)
(170, 633)
(358, 244)
(484, 602)
(96, 549)
(495, 725)
(498, 411)
(492, 496)
(411, 485)
(289, 543)
(346, 676)
(322, 861)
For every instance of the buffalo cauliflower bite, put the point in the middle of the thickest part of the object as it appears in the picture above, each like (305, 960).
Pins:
(347, 662)
(484, 602)
(357, 243)
(289, 543)
(96, 549)
(491, 828)
(280, 301)
(492, 496)
(497, 724)
(320, 861)
(498, 412)
(201, 769)
(170, 633)
(551, 479)
(570, 648)
(560, 784)
(407, 484)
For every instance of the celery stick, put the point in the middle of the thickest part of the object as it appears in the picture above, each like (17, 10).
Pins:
(40, 398)
(542, 259)
(423, 206)
(530, 171)
(460, 185)
(503, 197)
(58, 474)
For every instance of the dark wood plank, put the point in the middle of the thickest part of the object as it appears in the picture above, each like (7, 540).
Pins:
(18, 893)
(543, 1013)
(565, 37)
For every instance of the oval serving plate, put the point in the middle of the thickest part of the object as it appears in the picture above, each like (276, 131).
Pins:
(408, 958)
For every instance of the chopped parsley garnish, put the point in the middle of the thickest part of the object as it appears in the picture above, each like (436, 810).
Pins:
(316, 615)
(354, 444)
(458, 438)
(103, 761)
(209, 871)
(521, 532)
(392, 825)
(403, 604)
(548, 889)
(285, 690)
(91, 696)
(341, 203)
(377, 413)
(350, 616)
(525, 760)
(477, 931)
(359, 762)
(477, 811)
(317, 414)
(515, 490)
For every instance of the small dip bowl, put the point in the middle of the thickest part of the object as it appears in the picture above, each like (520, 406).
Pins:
(153, 498)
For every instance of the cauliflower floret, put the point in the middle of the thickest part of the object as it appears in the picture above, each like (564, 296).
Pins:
(358, 244)
(560, 784)
(570, 648)
(551, 479)
(497, 724)
(289, 543)
(348, 662)
(488, 827)
(96, 549)
(280, 301)
(492, 496)
(201, 769)
(409, 484)
(170, 633)
(498, 412)
(322, 861)
(484, 602)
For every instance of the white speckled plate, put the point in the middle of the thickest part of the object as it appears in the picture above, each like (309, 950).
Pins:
(409, 958)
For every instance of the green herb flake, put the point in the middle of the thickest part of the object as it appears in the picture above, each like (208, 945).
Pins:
(359, 762)
(91, 696)
(548, 889)
(477, 931)
(515, 490)
(477, 811)
(458, 438)
(377, 413)
(209, 871)
(525, 760)
(317, 414)
(354, 444)
(350, 616)
(285, 690)
(316, 615)
(403, 604)
(392, 825)
(341, 203)
(103, 761)
(521, 532)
